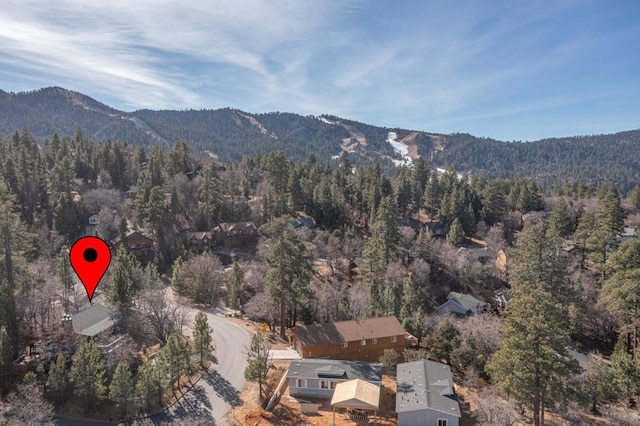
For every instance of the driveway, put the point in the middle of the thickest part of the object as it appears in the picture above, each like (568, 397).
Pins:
(288, 353)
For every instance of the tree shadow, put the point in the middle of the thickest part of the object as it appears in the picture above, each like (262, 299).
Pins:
(222, 387)
(190, 409)
(212, 358)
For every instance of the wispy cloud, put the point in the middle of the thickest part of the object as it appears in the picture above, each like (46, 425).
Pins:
(406, 64)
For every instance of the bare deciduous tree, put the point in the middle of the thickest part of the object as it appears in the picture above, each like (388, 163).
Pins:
(202, 279)
(28, 406)
(493, 410)
(164, 317)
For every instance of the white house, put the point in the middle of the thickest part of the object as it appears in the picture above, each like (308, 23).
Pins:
(426, 396)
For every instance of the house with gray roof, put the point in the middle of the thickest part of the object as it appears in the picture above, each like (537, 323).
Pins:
(317, 378)
(626, 234)
(461, 304)
(93, 320)
(426, 395)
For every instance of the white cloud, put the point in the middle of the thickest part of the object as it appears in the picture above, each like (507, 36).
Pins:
(432, 61)
(121, 46)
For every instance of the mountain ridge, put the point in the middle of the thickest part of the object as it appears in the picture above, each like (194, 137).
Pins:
(232, 134)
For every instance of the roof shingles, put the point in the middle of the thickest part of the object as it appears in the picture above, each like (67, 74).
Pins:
(349, 331)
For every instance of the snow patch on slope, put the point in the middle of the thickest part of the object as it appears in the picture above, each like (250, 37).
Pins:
(400, 148)
(324, 120)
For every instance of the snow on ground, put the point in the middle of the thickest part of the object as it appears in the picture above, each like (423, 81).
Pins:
(324, 120)
(441, 171)
(400, 148)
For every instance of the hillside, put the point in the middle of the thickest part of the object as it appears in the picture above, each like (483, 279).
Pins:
(233, 134)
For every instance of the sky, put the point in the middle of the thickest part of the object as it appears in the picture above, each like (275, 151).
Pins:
(510, 70)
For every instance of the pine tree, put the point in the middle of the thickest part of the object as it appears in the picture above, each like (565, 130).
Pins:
(148, 383)
(561, 223)
(610, 216)
(422, 244)
(634, 197)
(13, 237)
(177, 278)
(494, 203)
(257, 369)
(387, 226)
(122, 290)
(455, 236)
(88, 375)
(625, 370)
(598, 383)
(175, 358)
(533, 363)
(66, 217)
(179, 159)
(209, 196)
(432, 195)
(289, 269)
(63, 272)
(621, 296)
(6, 356)
(155, 207)
(8, 318)
(58, 379)
(121, 386)
(235, 284)
(373, 273)
(156, 167)
(442, 342)
(202, 336)
(410, 300)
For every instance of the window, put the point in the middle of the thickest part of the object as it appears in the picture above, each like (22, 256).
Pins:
(442, 422)
(344, 345)
(301, 383)
(310, 353)
(363, 343)
(374, 341)
(394, 339)
(332, 384)
(324, 384)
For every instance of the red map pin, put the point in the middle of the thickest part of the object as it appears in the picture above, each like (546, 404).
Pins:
(90, 257)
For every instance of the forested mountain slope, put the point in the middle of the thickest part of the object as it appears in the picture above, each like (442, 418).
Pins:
(233, 134)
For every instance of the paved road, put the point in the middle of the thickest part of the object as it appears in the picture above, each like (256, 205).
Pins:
(224, 381)
(208, 401)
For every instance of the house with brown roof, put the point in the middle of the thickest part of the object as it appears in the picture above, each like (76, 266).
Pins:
(139, 245)
(363, 340)
(235, 234)
(198, 242)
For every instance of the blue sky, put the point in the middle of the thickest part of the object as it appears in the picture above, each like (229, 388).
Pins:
(511, 70)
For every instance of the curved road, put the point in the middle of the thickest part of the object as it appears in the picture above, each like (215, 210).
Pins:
(224, 381)
(219, 388)
(209, 400)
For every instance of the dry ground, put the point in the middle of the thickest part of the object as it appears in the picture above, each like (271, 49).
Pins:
(287, 411)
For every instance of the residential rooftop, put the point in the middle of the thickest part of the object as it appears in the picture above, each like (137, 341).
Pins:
(426, 384)
(335, 369)
(349, 331)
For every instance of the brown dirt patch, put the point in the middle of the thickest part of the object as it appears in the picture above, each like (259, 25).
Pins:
(438, 142)
(287, 411)
(410, 142)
